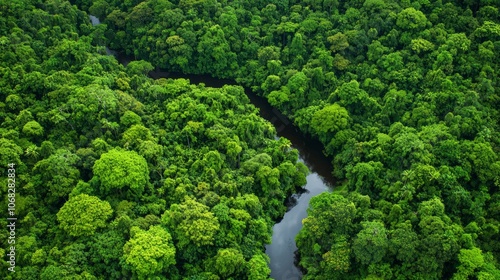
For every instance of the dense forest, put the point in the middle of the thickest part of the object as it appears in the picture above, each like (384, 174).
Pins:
(121, 176)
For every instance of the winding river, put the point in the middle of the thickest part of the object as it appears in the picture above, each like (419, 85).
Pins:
(282, 249)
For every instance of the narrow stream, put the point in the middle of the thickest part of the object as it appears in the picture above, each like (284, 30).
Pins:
(282, 249)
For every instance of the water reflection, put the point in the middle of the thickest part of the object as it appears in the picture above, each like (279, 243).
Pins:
(282, 249)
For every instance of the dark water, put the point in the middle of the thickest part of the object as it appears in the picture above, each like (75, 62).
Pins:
(282, 249)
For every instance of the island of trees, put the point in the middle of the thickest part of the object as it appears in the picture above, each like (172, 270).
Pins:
(121, 176)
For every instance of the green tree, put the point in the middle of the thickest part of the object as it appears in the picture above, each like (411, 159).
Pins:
(337, 260)
(279, 97)
(33, 129)
(130, 118)
(139, 67)
(328, 214)
(403, 243)
(57, 174)
(258, 268)
(354, 99)
(329, 120)
(411, 19)
(470, 260)
(229, 262)
(106, 250)
(119, 170)
(271, 83)
(215, 53)
(371, 243)
(149, 253)
(135, 135)
(82, 215)
(338, 42)
(192, 223)
(298, 86)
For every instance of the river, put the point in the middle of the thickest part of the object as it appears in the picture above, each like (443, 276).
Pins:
(282, 249)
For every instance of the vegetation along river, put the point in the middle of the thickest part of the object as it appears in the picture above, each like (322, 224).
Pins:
(282, 249)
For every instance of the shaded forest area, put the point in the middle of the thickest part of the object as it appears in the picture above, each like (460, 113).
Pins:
(403, 95)
(120, 176)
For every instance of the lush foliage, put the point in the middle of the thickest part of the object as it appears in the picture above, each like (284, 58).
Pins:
(120, 176)
(403, 95)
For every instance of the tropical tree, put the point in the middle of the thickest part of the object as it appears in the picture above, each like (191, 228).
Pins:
(83, 214)
(149, 253)
(121, 171)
